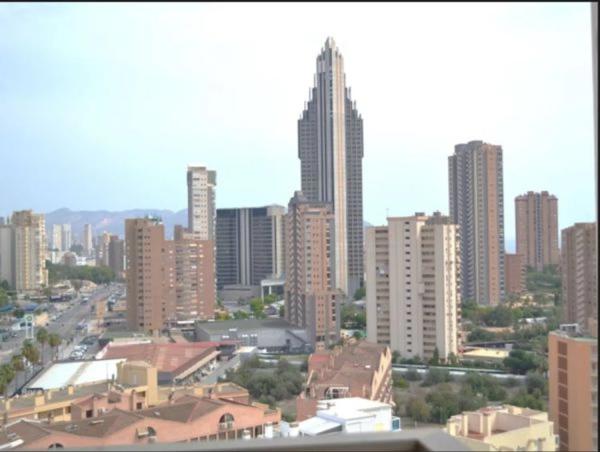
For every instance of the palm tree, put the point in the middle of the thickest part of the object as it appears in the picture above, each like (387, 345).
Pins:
(54, 340)
(16, 361)
(30, 352)
(7, 375)
(41, 336)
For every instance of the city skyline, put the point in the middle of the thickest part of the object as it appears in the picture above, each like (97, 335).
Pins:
(77, 121)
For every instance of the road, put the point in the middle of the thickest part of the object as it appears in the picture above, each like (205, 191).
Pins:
(65, 325)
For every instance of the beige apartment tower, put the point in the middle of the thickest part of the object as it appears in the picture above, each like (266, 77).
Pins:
(310, 298)
(150, 275)
(579, 270)
(477, 205)
(536, 219)
(201, 202)
(573, 388)
(412, 279)
(195, 289)
(514, 269)
(29, 247)
(88, 245)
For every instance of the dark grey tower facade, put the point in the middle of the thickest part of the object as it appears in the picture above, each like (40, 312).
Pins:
(330, 148)
(249, 245)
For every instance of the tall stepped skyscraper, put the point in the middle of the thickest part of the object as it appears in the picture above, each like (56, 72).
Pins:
(330, 148)
(477, 205)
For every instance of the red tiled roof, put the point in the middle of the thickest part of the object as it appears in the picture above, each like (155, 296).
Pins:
(165, 357)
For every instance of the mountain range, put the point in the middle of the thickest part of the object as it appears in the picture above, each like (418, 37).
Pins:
(114, 222)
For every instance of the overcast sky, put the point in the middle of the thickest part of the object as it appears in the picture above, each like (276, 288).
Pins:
(102, 106)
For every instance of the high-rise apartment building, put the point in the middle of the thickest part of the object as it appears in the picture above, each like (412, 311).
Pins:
(536, 218)
(102, 249)
(56, 243)
(413, 293)
(150, 275)
(330, 148)
(66, 237)
(88, 245)
(201, 202)
(250, 245)
(573, 388)
(7, 253)
(477, 205)
(514, 270)
(579, 269)
(28, 249)
(116, 255)
(311, 301)
(195, 289)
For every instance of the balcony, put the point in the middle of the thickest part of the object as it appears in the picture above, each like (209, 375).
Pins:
(421, 440)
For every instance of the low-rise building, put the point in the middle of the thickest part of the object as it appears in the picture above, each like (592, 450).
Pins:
(349, 415)
(176, 363)
(184, 419)
(504, 428)
(358, 369)
(492, 355)
(270, 334)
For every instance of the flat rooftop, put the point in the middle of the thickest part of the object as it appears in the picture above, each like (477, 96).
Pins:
(245, 324)
(62, 374)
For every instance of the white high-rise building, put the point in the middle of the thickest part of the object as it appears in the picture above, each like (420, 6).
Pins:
(330, 148)
(412, 279)
(56, 243)
(66, 237)
(88, 245)
(201, 202)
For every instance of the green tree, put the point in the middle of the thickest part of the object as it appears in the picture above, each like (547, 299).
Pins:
(525, 400)
(536, 384)
(453, 359)
(257, 307)
(412, 375)
(41, 336)
(7, 375)
(436, 376)
(54, 341)
(5, 285)
(520, 362)
(443, 403)
(282, 311)
(240, 315)
(16, 361)
(435, 359)
(18, 313)
(418, 409)
(360, 293)
(399, 382)
(30, 352)
(481, 335)
(3, 297)
(77, 285)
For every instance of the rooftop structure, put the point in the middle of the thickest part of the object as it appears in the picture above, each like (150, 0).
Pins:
(174, 362)
(359, 369)
(63, 374)
(504, 428)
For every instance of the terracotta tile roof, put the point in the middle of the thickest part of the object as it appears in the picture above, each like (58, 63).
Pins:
(170, 357)
(23, 429)
(101, 426)
(184, 409)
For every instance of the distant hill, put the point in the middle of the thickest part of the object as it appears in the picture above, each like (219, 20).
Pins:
(114, 222)
(111, 222)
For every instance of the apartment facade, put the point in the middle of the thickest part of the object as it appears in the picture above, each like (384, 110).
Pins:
(116, 255)
(88, 245)
(24, 246)
(195, 289)
(514, 269)
(505, 428)
(250, 245)
(573, 389)
(579, 273)
(413, 292)
(56, 243)
(330, 148)
(311, 301)
(536, 219)
(477, 205)
(201, 184)
(66, 237)
(150, 275)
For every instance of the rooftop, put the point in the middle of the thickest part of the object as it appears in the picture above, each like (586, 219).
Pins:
(245, 324)
(170, 357)
(62, 374)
